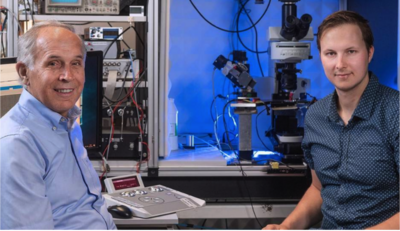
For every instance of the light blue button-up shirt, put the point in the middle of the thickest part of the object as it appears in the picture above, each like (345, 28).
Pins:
(47, 180)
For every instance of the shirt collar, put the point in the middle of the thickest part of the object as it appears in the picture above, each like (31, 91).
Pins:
(332, 110)
(364, 107)
(36, 107)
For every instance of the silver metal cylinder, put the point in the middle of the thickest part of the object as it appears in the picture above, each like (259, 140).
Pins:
(190, 140)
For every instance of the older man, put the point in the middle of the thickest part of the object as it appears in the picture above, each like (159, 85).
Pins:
(351, 140)
(47, 180)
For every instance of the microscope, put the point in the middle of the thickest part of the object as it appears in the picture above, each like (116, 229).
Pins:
(237, 71)
(287, 49)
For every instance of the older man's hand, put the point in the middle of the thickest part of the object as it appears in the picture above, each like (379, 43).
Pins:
(275, 227)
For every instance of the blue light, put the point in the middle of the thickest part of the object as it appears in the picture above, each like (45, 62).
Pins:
(261, 153)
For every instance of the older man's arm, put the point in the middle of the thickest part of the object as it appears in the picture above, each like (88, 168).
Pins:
(23, 200)
(307, 211)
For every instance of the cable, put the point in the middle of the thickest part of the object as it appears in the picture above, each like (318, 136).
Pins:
(113, 41)
(240, 165)
(123, 84)
(26, 14)
(256, 32)
(223, 153)
(122, 88)
(213, 88)
(122, 39)
(258, 134)
(31, 10)
(11, 13)
(203, 223)
(140, 119)
(225, 125)
(230, 31)
(139, 164)
(126, 44)
(107, 148)
(137, 34)
(5, 12)
(124, 81)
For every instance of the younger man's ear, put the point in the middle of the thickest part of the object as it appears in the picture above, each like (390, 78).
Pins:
(370, 53)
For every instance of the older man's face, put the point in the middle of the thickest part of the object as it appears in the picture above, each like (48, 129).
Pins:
(58, 75)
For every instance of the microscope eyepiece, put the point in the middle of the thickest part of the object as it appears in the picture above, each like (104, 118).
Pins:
(293, 27)
(304, 25)
(306, 19)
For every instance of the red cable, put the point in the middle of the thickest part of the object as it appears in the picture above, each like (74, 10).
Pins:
(112, 122)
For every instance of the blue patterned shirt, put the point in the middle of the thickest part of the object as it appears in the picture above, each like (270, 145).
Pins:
(357, 164)
(47, 180)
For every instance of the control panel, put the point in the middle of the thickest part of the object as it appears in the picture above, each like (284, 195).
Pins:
(103, 33)
(149, 201)
(119, 67)
(111, 47)
(102, 7)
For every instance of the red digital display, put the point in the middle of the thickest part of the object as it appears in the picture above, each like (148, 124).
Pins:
(123, 183)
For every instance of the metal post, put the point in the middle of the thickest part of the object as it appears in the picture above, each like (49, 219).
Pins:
(12, 28)
(343, 5)
(398, 48)
(163, 101)
(156, 78)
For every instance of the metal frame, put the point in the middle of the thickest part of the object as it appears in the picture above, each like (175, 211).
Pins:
(12, 28)
(343, 5)
(152, 54)
(238, 211)
(152, 70)
(164, 67)
(398, 48)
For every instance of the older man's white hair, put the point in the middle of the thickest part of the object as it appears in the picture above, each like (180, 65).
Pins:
(27, 42)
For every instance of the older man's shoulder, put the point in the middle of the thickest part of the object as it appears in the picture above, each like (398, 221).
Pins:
(14, 121)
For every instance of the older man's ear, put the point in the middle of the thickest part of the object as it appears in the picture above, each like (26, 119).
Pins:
(22, 70)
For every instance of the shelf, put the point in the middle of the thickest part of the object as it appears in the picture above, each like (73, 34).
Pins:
(84, 18)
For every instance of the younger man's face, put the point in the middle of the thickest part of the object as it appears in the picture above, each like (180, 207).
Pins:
(345, 57)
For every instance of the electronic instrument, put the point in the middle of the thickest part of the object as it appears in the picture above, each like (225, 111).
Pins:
(135, 11)
(146, 202)
(102, 7)
(113, 51)
(103, 33)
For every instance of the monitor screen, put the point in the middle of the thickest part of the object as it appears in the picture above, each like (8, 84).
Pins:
(64, 2)
(91, 101)
(125, 183)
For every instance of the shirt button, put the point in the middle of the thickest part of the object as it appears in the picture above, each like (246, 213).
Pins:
(54, 128)
(63, 119)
